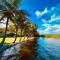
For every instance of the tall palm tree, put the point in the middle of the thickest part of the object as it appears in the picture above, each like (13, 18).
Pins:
(7, 12)
(8, 15)
(22, 14)
(21, 18)
(16, 31)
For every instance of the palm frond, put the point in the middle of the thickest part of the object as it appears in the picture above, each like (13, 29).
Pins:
(15, 2)
(1, 7)
(25, 12)
(22, 12)
(9, 5)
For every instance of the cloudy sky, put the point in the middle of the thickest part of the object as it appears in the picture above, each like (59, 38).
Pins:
(45, 13)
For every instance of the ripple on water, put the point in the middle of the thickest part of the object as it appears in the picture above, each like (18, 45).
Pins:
(48, 48)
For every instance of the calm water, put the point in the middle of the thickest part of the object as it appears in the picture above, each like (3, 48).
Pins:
(45, 49)
(48, 49)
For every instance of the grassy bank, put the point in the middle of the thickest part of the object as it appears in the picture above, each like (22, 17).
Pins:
(11, 39)
(52, 35)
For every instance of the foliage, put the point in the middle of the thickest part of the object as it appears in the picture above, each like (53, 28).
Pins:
(1, 35)
(10, 11)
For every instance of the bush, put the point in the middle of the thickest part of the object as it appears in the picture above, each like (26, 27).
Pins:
(10, 35)
(1, 35)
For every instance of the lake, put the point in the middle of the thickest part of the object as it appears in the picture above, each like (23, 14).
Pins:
(45, 49)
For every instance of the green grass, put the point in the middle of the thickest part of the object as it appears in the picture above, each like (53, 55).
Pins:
(52, 35)
(10, 40)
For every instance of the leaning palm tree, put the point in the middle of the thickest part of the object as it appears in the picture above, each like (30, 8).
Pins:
(7, 12)
(16, 30)
(21, 17)
(8, 15)
(19, 22)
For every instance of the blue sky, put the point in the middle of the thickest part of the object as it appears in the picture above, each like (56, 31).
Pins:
(44, 13)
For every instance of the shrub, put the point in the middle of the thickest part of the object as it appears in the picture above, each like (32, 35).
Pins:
(10, 35)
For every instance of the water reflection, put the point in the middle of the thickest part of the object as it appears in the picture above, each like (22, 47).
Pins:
(27, 51)
(10, 53)
(40, 49)
(48, 49)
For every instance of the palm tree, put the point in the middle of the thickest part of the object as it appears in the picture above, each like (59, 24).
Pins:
(21, 16)
(7, 12)
(8, 15)
(19, 22)
(16, 31)
(29, 29)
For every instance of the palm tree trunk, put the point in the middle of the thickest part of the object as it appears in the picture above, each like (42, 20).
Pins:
(4, 36)
(16, 35)
(21, 34)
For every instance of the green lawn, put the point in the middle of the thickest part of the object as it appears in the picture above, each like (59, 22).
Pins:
(52, 35)
(10, 40)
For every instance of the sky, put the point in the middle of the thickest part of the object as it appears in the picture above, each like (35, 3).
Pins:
(44, 13)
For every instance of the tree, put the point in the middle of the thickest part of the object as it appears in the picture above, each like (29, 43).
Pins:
(29, 29)
(7, 12)
(19, 21)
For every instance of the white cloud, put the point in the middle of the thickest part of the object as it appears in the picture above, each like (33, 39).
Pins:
(54, 18)
(46, 25)
(45, 11)
(4, 21)
(54, 15)
(46, 31)
(2, 25)
(39, 13)
(50, 29)
(43, 20)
